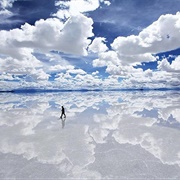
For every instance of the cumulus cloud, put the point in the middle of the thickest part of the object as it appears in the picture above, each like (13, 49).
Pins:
(49, 34)
(28, 50)
(105, 58)
(71, 7)
(78, 79)
(76, 71)
(25, 65)
(98, 45)
(153, 39)
(39, 74)
(20, 46)
(114, 64)
(151, 79)
(59, 68)
(164, 65)
(6, 76)
(134, 50)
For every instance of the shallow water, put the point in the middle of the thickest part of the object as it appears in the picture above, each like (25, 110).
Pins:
(106, 135)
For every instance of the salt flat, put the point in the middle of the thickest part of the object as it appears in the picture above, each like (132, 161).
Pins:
(106, 135)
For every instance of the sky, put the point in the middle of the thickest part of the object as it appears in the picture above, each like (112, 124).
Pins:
(89, 44)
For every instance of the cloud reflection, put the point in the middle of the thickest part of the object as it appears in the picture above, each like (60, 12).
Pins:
(97, 123)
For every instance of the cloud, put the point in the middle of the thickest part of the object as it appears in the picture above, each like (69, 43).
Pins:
(153, 39)
(28, 127)
(22, 48)
(76, 71)
(34, 51)
(134, 50)
(49, 34)
(25, 65)
(59, 68)
(5, 13)
(108, 3)
(6, 76)
(39, 74)
(82, 27)
(114, 65)
(105, 58)
(151, 79)
(83, 80)
(128, 119)
(174, 67)
(135, 122)
(72, 8)
(98, 45)
(6, 3)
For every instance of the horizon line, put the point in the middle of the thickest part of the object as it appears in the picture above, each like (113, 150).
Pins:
(34, 90)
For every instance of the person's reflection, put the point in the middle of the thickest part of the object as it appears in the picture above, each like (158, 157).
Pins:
(63, 116)
(63, 122)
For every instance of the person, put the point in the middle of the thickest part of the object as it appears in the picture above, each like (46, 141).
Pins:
(62, 112)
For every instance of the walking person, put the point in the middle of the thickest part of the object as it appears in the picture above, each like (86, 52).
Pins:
(62, 112)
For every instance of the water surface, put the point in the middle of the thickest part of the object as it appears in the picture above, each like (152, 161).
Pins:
(106, 135)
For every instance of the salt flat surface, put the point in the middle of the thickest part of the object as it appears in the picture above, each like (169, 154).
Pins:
(106, 135)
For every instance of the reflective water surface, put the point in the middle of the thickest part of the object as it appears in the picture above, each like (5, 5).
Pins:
(117, 135)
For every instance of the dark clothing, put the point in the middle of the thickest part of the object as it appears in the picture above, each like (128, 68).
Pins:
(63, 112)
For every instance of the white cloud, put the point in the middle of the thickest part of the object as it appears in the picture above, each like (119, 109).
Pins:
(7, 3)
(82, 6)
(20, 46)
(108, 3)
(58, 68)
(22, 66)
(151, 79)
(6, 76)
(122, 71)
(160, 36)
(84, 80)
(47, 35)
(95, 73)
(134, 50)
(164, 65)
(39, 74)
(5, 13)
(25, 124)
(75, 35)
(70, 34)
(76, 71)
(148, 73)
(115, 66)
(72, 8)
(105, 58)
(136, 59)
(149, 143)
(98, 45)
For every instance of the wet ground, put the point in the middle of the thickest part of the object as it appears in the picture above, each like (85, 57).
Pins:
(106, 135)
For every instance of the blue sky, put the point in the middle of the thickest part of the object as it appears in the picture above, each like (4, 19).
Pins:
(75, 44)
